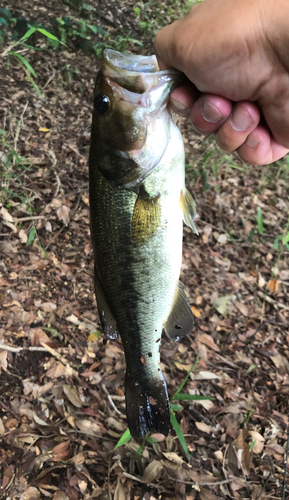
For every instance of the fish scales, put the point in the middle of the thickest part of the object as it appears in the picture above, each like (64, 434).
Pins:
(136, 225)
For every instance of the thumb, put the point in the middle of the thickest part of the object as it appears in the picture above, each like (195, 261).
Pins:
(165, 47)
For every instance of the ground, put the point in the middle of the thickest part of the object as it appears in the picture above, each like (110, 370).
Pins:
(62, 383)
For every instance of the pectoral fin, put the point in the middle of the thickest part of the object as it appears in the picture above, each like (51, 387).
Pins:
(107, 320)
(181, 319)
(146, 217)
(189, 209)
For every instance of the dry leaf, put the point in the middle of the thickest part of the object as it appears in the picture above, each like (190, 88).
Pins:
(242, 308)
(152, 472)
(208, 341)
(173, 457)
(259, 441)
(119, 493)
(206, 494)
(204, 375)
(61, 451)
(196, 312)
(63, 214)
(273, 286)
(9, 471)
(6, 216)
(72, 395)
(2, 428)
(3, 360)
(31, 494)
(23, 236)
(88, 426)
(222, 239)
(274, 448)
(221, 304)
(204, 427)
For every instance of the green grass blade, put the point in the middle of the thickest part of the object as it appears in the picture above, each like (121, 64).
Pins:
(28, 33)
(186, 377)
(191, 397)
(176, 407)
(31, 236)
(49, 35)
(123, 439)
(180, 434)
(25, 62)
(260, 221)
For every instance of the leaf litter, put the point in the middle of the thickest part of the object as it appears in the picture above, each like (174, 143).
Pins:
(62, 409)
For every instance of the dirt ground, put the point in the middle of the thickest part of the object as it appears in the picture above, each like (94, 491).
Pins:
(62, 407)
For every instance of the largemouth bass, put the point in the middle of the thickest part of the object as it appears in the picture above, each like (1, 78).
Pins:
(138, 200)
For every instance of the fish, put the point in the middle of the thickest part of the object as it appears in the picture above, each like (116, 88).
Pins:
(138, 201)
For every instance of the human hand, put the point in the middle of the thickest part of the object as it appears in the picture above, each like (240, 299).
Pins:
(235, 55)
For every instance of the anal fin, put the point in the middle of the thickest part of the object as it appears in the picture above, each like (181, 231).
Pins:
(189, 209)
(181, 319)
(107, 320)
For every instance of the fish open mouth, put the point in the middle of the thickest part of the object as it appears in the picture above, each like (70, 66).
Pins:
(139, 75)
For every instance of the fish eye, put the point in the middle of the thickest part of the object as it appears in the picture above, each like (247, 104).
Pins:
(101, 103)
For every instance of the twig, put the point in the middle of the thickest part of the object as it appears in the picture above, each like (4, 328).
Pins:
(272, 301)
(205, 483)
(110, 400)
(24, 219)
(19, 349)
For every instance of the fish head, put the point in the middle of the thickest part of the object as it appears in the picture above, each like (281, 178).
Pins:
(130, 96)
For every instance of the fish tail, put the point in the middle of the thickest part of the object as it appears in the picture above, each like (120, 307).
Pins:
(147, 405)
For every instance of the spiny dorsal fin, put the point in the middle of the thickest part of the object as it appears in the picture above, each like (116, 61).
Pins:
(189, 209)
(181, 319)
(107, 320)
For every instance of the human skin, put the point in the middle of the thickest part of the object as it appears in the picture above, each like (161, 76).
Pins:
(235, 54)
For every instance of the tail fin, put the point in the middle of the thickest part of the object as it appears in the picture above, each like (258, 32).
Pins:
(147, 405)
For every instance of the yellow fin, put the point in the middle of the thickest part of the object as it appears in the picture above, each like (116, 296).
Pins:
(189, 209)
(145, 218)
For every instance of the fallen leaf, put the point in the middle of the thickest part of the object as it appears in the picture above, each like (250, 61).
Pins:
(173, 457)
(6, 216)
(196, 312)
(242, 308)
(31, 494)
(23, 236)
(3, 360)
(9, 471)
(88, 426)
(204, 427)
(208, 341)
(259, 441)
(119, 493)
(221, 304)
(63, 214)
(61, 451)
(204, 375)
(152, 472)
(72, 395)
(273, 286)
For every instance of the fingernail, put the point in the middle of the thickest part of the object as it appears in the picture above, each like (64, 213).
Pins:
(178, 105)
(252, 141)
(240, 120)
(210, 113)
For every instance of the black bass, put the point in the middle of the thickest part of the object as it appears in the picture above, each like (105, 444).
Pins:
(138, 200)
